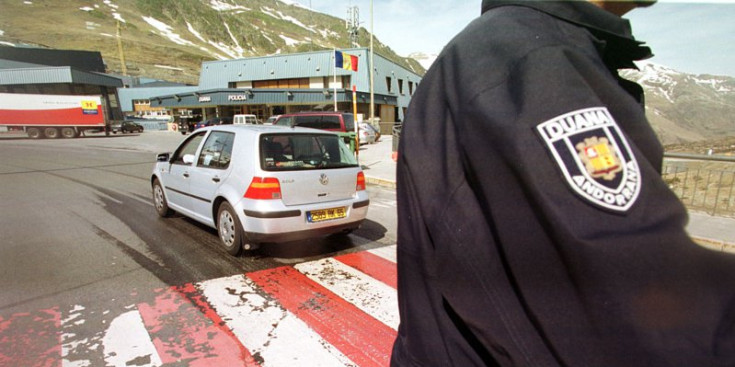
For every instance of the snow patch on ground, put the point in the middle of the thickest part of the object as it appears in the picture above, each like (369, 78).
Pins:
(168, 67)
(279, 15)
(289, 41)
(223, 6)
(166, 31)
(238, 49)
(294, 3)
(194, 32)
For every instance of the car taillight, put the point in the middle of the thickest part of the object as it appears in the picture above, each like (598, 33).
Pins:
(360, 181)
(264, 188)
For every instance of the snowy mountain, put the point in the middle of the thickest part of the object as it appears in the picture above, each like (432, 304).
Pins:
(685, 107)
(424, 59)
(168, 39)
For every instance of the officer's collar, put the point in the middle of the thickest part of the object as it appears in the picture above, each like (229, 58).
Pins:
(616, 31)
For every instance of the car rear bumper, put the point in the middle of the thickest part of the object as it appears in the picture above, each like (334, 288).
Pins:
(292, 225)
(301, 235)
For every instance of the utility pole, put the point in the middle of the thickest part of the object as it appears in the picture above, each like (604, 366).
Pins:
(120, 50)
(353, 24)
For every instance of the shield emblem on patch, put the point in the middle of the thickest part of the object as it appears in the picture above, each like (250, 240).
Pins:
(594, 157)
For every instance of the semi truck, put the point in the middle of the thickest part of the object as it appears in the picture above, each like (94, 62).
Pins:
(52, 116)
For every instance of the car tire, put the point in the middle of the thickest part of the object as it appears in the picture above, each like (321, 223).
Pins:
(159, 200)
(34, 133)
(229, 229)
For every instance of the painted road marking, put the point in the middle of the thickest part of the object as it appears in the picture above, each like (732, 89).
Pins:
(370, 295)
(363, 339)
(338, 311)
(274, 335)
(126, 340)
(373, 265)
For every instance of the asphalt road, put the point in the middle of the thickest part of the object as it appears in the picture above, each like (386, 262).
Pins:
(78, 227)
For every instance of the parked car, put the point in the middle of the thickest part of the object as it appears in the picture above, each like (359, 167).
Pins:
(246, 119)
(340, 122)
(258, 184)
(213, 122)
(126, 127)
(368, 134)
(343, 122)
(271, 120)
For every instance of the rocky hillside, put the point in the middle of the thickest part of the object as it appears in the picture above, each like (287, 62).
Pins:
(169, 39)
(685, 108)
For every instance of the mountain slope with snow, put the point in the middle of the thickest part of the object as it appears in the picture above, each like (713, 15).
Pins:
(177, 35)
(684, 107)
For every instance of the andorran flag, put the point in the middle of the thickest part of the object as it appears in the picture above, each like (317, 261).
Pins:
(345, 61)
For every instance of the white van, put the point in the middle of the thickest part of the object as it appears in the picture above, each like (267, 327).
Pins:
(245, 119)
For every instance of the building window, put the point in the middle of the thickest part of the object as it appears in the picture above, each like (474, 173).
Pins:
(300, 83)
(400, 86)
(410, 88)
(389, 84)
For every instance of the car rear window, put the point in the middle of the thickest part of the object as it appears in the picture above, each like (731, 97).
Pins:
(292, 152)
(329, 122)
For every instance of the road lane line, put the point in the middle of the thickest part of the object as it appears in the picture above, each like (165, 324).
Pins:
(275, 336)
(370, 295)
(362, 338)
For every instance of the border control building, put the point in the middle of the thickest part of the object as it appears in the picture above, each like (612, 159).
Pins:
(278, 84)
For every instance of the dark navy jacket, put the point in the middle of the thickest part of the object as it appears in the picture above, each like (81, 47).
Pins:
(534, 228)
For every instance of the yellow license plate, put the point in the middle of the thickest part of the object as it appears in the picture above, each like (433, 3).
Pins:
(326, 214)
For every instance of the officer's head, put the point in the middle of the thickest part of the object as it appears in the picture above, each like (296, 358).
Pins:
(621, 7)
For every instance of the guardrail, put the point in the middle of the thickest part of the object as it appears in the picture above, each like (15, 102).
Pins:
(702, 182)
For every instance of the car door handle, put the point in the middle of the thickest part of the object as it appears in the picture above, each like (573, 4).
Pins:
(215, 179)
(186, 174)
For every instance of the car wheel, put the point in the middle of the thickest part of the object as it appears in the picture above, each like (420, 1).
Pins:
(159, 200)
(229, 229)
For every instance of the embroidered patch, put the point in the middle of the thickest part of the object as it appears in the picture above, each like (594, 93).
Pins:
(594, 157)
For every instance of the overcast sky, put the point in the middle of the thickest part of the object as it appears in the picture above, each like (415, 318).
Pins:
(693, 36)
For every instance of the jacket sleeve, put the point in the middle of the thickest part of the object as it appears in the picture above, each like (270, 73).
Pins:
(595, 252)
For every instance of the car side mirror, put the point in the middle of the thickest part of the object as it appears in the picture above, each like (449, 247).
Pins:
(163, 157)
(188, 158)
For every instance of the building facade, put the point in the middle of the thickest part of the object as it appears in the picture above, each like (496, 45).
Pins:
(278, 84)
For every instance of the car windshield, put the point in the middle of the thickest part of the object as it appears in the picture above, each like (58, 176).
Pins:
(291, 152)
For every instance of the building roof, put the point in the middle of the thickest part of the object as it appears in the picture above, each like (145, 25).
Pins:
(55, 74)
(90, 61)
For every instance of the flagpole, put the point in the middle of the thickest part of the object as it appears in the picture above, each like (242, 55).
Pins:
(334, 83)
(372, 77)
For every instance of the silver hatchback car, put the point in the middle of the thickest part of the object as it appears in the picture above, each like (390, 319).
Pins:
(258, 184)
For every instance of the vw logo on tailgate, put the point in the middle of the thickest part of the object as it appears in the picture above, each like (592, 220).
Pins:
(324, 179)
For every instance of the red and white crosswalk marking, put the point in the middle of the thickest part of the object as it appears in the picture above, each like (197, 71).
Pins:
(339, 311)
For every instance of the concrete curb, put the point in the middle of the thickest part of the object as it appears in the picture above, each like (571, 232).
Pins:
(715, 245)
(380, 182)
